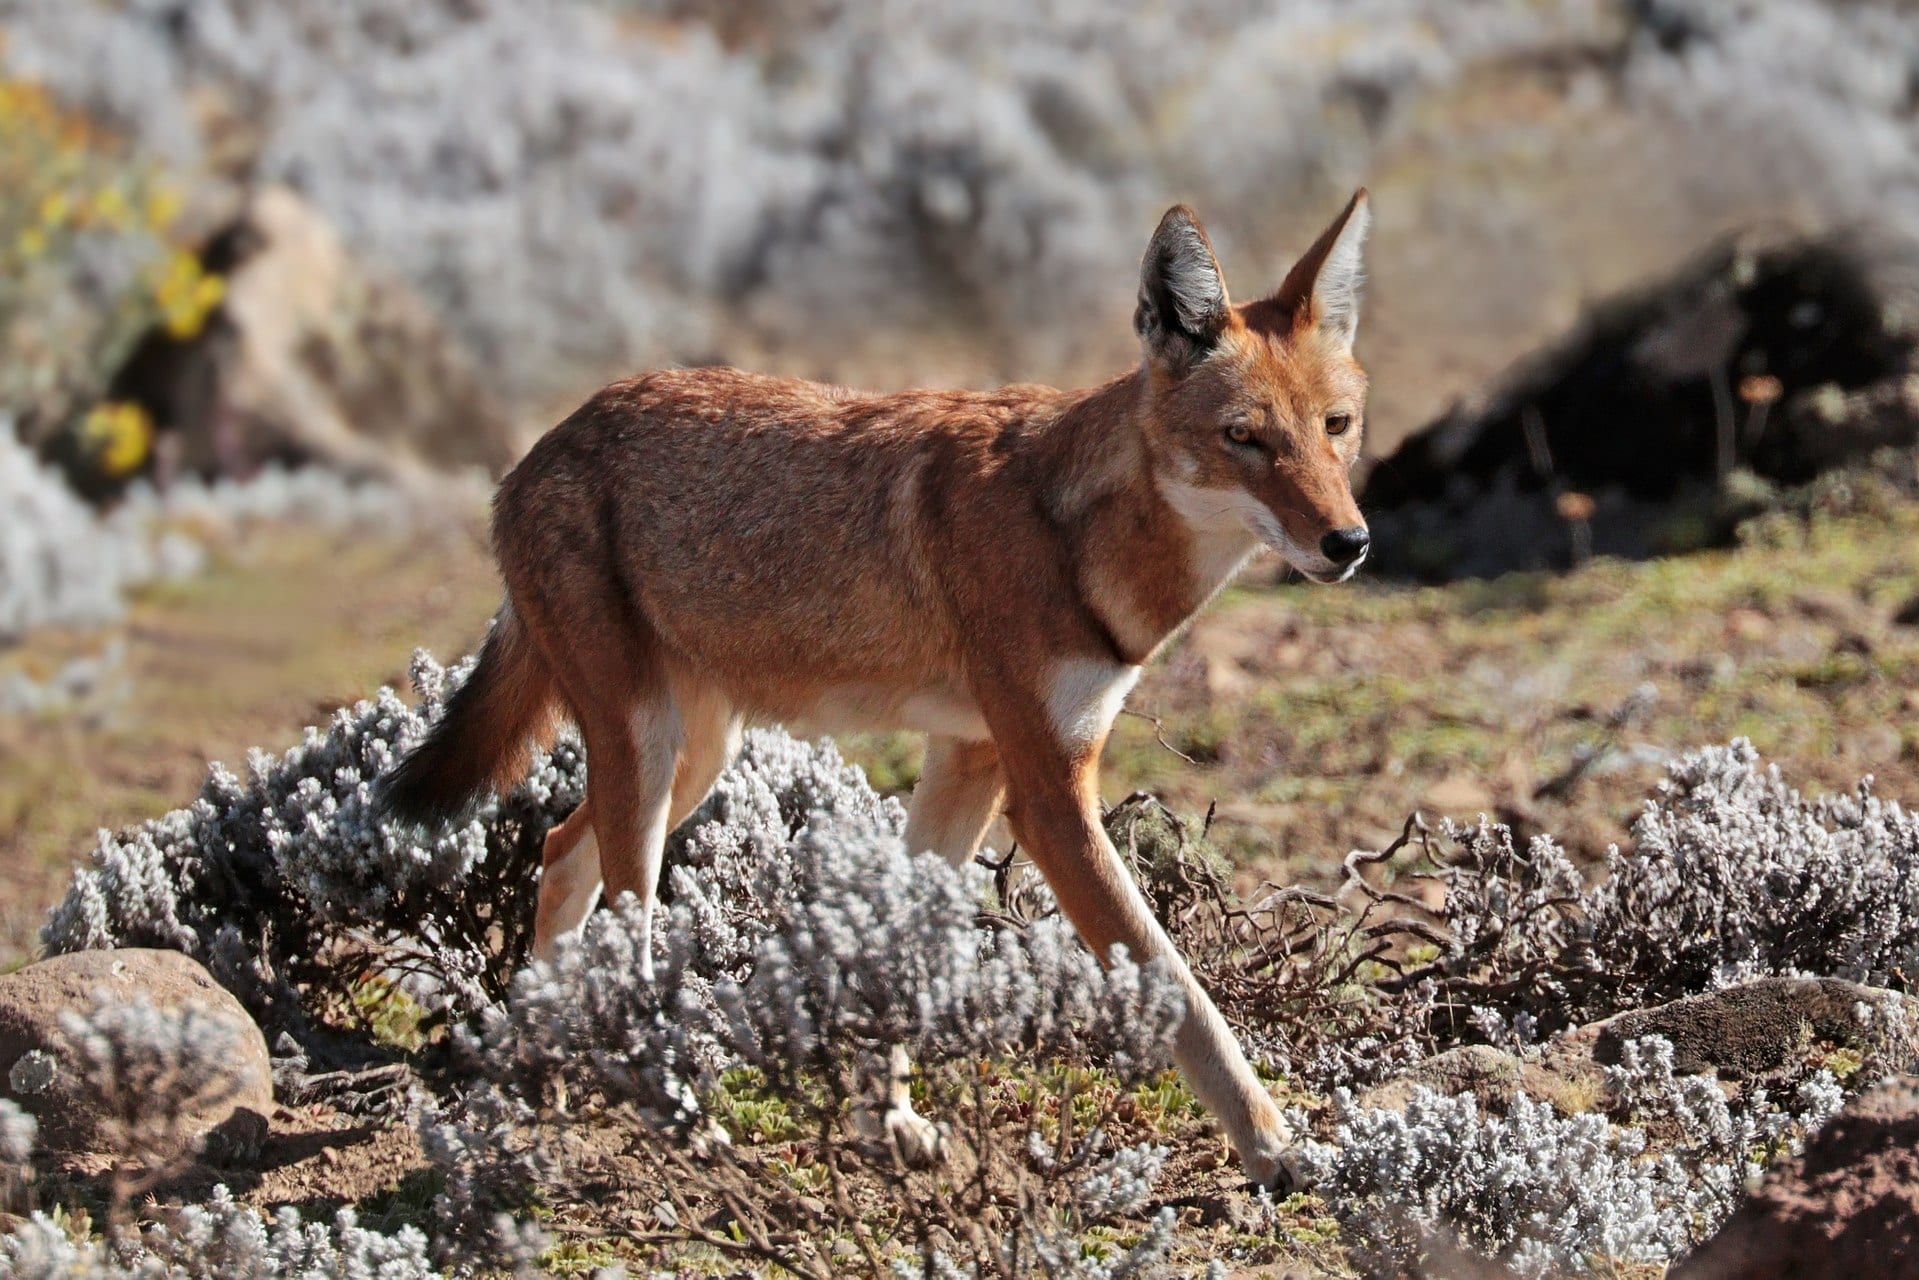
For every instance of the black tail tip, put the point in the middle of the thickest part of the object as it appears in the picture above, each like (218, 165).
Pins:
(412, 793)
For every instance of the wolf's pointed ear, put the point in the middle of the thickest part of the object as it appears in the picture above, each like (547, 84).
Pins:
(1322, 289)
(1182, 295)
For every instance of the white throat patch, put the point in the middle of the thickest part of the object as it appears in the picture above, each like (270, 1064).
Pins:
(1227, 527)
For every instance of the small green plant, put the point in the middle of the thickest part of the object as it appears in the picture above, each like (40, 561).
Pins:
(395, 1018)
(750, 1111)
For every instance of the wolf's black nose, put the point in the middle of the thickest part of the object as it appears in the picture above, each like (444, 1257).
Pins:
(1343, 546)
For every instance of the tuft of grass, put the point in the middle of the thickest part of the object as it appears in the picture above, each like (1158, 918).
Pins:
(406, 1203)
(579, 1257)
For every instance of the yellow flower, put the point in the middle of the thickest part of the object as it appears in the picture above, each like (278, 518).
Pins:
(32, 243)
(121, 434)
(111, 207)
(163, 207)
(55, 208)
(186, 295)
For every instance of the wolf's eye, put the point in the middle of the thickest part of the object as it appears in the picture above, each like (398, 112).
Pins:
(1239, 433)
(1338, 424)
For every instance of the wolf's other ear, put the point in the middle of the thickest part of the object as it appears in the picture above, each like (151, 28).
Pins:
(1182, 295)
(1322, 289)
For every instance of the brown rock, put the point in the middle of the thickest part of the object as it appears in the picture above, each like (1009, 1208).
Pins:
(71, 1122)
(316, 357)
(1760, 1026)
(1847, 1208)
(1492, 1076)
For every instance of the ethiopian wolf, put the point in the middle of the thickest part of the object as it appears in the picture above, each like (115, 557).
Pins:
(697, 549)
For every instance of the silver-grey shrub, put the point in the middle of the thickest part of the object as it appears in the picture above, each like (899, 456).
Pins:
(798, 927)
(1731, 874)
(18, 1130)
(219, 1240)
(1531, 1189)
(1548, 1194)
(17, 1133)
(1734, 874)
(800, 938)
(155, 1074)
(288, 885)
(579, 190)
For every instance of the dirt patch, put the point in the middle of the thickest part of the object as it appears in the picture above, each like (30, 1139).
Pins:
(288, 626)
(1849, 1206)
(319, 1158)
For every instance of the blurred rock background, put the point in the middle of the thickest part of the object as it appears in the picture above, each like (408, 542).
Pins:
(904, 192)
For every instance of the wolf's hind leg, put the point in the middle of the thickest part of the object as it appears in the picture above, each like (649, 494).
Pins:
(711, 729)
(959, 794)
(569, 880)
(632, 760)
(570, 875)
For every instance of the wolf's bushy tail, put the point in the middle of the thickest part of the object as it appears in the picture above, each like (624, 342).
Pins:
(506, 708)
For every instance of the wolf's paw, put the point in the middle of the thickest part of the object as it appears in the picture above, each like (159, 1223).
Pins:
(917, 1141)
(708, 1138)
(909, 1137)
(1282, 1174)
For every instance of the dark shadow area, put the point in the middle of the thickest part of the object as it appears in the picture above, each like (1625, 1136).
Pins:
(1662, 420)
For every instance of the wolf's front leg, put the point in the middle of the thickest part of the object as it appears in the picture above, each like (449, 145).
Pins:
(1054, 812)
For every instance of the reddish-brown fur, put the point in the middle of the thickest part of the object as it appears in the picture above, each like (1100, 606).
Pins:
(694, 549)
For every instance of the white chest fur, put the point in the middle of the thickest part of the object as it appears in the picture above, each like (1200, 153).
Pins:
(1085, 694)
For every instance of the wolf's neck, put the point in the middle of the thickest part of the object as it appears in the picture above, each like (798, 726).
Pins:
(1150, 551)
